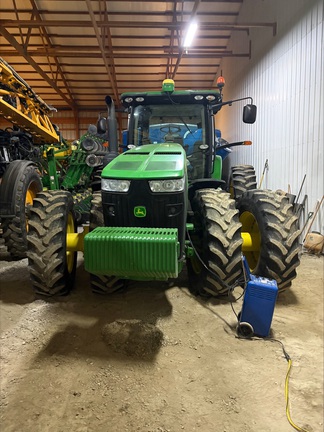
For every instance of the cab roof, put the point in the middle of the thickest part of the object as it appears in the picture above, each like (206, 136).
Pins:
(203, 97)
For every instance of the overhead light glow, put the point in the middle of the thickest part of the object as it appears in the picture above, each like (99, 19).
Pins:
(190, 34)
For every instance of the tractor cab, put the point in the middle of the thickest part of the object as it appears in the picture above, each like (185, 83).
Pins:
(178, 117)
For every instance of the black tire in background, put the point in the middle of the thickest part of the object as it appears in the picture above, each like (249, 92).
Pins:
(51, 266)
(15, 229)
(101, 284)
(242, 179)
(269, 217)
(218, 242)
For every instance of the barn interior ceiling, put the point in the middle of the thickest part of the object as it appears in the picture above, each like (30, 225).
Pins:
(74, 53)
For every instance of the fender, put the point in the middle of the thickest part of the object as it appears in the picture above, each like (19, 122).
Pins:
(204, 184)
(9, 185)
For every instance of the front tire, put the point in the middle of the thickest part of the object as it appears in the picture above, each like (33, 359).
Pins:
(101, 284)
(15, 229)
(268, 219)
(217, 240)
(52, 267)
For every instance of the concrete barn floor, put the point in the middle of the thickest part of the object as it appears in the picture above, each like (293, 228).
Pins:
(154, 359)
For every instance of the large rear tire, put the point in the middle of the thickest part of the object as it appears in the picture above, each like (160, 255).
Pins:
(101, 284)
(273, 248)
(15, 229)
(218, 242)
(52, 267)
(242, 179)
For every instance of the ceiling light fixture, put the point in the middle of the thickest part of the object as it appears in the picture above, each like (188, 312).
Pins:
(190, 34)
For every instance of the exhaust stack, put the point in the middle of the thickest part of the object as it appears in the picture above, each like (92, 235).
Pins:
(112, 132)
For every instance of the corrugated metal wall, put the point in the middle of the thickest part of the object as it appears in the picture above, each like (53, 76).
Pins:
(285, 78)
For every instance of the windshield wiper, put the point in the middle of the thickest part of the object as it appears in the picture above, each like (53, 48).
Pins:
(180, 117)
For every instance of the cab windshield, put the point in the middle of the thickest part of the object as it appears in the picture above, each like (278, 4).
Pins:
(182, 124)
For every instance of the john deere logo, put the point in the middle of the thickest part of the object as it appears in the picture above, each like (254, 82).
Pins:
(139, 211)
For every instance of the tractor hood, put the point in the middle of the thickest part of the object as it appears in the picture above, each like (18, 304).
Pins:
(149, 161)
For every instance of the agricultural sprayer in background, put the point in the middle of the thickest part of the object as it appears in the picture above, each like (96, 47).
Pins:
(35, 157)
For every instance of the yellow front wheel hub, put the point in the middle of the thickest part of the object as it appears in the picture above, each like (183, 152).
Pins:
(70, 257)
(196, 265)
(251, 239)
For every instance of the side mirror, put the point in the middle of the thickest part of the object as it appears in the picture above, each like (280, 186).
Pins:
(249, 113)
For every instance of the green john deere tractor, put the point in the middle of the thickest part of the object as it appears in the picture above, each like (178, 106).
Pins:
(163, 204)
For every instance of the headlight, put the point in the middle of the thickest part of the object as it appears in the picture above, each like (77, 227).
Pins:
(112, 185)
(167, 185)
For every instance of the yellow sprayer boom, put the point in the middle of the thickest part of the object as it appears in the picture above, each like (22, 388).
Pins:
(21, 106)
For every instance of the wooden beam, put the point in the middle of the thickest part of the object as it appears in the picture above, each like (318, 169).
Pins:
(21, 50)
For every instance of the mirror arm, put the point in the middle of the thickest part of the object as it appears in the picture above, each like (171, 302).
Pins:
(230, 145)
(231, 102)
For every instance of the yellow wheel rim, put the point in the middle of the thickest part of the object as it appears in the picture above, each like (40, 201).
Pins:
(251, 239)
(70, 257)
(196, 265)
(31, 193)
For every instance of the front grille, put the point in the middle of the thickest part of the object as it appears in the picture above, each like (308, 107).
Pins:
(163, 210)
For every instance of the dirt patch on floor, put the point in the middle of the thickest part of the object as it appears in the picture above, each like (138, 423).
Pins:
(154, 358)
(133, 338)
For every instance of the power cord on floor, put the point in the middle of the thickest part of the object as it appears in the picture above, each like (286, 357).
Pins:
(289, 360)
(287, 399)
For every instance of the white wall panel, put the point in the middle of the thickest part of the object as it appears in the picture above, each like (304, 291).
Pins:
(285, 78)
